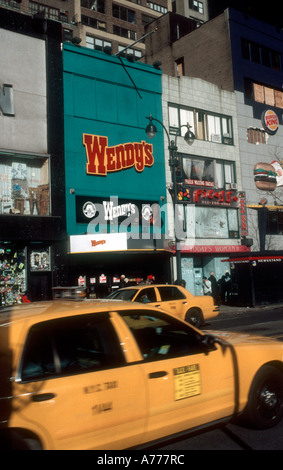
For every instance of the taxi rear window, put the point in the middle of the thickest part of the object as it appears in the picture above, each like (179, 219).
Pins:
(71, 345)
(170, 293)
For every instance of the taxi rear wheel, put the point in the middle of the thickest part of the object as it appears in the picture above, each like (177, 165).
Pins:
(265, 404)
(194, 317)
(12, 439)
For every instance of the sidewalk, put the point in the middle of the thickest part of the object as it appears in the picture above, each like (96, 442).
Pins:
(226, 310)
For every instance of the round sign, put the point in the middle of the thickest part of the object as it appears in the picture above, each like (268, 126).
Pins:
(89, 210)
(270, 121)
(147, 212)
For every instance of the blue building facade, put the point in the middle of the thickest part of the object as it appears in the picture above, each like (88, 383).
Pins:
(256, 51)
(114, 177)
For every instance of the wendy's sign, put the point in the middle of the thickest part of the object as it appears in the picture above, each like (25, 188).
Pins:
(102, 159)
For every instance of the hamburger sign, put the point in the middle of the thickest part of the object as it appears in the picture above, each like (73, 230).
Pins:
(265, 177)
(270, 121)
(268, 176)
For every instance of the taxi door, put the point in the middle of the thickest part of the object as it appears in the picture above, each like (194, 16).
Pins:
(187, 386)
(188, 392)
(172, 300)
(80, 394)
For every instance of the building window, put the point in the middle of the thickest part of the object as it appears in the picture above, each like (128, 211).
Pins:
(198, 171)
(274, 223)
(64, 17)
(130, 51)
(206, 172)
(225, 175)
(196, 6)
(205, 125)
(211, 222)
(124, 13)
(51, 13)
(11, 3)
(124, 33)
(256, 136)
(97, 44)
(95, 5)
(180, 67)
(146, 19)
(94, 23)
(156, 7)
(262, 93)
(24, 185)
(261, 55)
(67, 34)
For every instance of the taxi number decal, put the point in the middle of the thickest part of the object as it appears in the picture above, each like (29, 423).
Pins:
(102, 407)
(101, 387)
(187, 381)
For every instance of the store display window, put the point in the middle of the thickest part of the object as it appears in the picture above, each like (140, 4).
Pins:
(211, 222)
(40, 260)
(12, 275)
(24, 185)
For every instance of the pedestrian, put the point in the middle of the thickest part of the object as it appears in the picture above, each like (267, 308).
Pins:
(214, 287)
(150, 279)
(206, 285)
(180, 283)
(25, 298)
(227, 287)
(122, 281)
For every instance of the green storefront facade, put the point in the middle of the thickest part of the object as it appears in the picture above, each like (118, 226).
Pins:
(114, 176)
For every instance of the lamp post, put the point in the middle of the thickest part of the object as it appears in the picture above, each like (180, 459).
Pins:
(189, 138)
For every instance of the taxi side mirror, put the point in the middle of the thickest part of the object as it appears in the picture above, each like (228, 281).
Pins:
(208, 341)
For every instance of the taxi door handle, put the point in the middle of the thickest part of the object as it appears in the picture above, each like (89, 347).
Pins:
(43, 397)
(158, 305)
(156, 375)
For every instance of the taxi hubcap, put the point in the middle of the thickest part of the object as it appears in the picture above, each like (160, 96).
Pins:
(268, 398)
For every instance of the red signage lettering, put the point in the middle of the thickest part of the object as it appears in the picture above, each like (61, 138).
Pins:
(222, 197)
(102, 159)
(97, 242)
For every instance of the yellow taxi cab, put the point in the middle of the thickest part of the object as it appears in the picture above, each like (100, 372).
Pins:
(116, 375)
(194, 309)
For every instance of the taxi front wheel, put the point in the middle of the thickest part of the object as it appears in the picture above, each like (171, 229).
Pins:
(194, 317)
(265, 404)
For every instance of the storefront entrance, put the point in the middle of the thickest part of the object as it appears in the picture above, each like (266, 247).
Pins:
(40, 286)
(195, 267)
(101, 272)
(24, 270)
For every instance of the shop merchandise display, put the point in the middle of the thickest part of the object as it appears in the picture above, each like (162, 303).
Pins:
(12, 276)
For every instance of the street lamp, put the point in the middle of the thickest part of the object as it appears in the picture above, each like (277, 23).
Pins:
(189, 138)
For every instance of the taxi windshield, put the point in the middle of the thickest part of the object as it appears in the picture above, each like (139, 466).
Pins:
(123, 294)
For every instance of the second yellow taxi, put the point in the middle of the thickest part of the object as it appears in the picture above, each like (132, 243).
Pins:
(194, 309)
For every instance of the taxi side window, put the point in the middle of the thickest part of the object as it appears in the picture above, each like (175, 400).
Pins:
(160, 337)
(146, 295)
(69, 346)
(170, 293)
